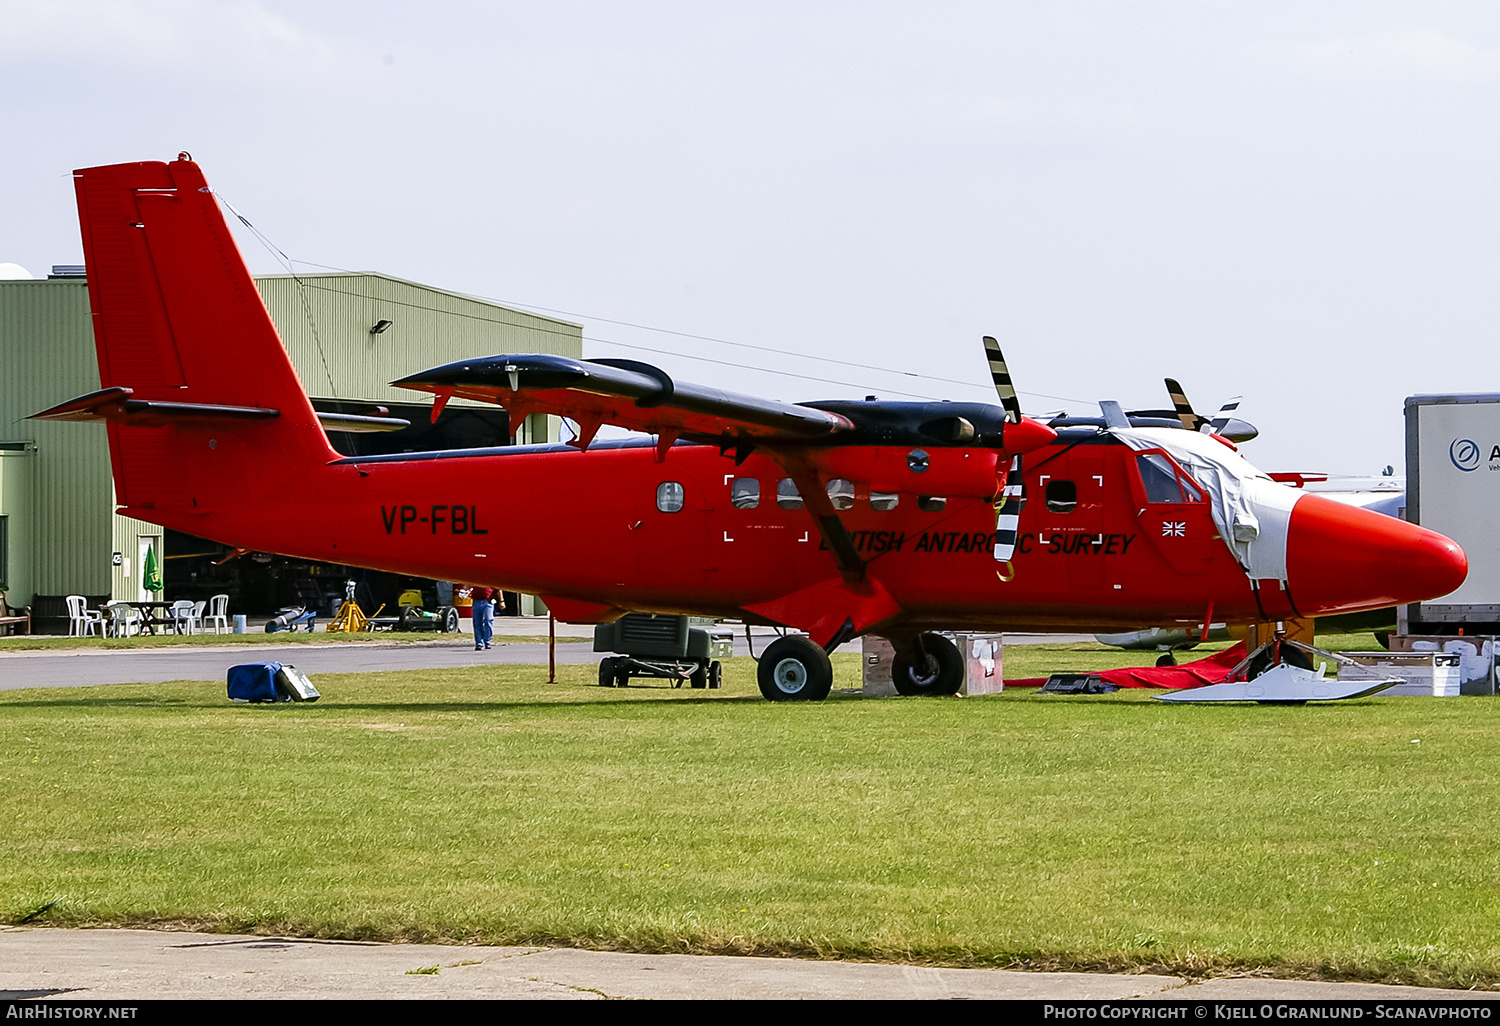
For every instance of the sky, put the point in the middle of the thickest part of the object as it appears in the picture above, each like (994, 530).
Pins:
(1294, 202)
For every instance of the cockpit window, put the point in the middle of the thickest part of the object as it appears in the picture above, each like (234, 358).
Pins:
(1164, 482)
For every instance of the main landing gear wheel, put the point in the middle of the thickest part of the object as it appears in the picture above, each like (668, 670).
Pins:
(932, 665)
(794, 670)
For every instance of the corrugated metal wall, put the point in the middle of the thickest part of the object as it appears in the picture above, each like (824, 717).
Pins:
(47, 356)
(325, 321)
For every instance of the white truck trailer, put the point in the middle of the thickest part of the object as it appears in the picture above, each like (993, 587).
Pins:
(1453, 487)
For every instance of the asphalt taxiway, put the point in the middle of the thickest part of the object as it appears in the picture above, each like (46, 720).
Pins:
(81, 667)
(132, 965)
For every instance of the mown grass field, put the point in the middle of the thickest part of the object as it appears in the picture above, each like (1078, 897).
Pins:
(1352, 841)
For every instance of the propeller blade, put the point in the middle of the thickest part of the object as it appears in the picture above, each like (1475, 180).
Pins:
(1012, 497)
(1008, 512)
(1001, 375)
(1225, 413)
(1190, 420)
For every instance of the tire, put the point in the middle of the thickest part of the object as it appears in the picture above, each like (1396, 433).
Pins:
(1259, 665)
(411, 618)
(794, 670)
(940, 670)
(699, 679)
(447, 619)
(1294, 656)
(607, 672)
(715, 675)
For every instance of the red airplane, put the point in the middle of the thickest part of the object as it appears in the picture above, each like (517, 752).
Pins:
(836, 519)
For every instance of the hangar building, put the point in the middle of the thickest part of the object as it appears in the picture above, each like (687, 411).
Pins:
(348, 335)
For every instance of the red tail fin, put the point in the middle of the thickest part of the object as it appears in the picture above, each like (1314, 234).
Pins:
(178, 320)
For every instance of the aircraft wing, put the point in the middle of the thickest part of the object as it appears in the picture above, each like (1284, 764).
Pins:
(627, 394)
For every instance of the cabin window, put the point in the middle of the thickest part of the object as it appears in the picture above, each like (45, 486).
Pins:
(669, 497)
(1163, 481)
(1062, 496)
(931, 503)
(786, 494)
(884, 500)
(841, 493)
(744, 493)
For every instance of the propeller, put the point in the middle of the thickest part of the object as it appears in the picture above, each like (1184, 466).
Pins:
(1223, 423)
(1190, 420)
(1013, 494)
(1226, 411)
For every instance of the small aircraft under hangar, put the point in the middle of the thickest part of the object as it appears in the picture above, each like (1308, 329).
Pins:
(836, 519)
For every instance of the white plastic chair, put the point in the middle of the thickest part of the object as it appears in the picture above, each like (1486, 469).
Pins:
(83, 621)
(218, 614)
(124, 619)
(184, 617)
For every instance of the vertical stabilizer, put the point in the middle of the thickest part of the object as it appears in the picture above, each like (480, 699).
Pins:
(178, 320)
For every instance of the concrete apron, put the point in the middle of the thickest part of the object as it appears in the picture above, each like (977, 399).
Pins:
(123, 965)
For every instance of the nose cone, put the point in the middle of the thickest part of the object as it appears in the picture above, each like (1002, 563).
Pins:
(1341, 559)
(1026, 435)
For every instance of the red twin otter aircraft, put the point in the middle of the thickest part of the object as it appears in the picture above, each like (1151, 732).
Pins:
(836, 519)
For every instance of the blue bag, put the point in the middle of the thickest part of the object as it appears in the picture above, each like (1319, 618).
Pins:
(255, 682)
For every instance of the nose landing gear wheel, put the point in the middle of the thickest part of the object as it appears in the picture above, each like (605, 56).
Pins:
(932, 666)
(794, 670)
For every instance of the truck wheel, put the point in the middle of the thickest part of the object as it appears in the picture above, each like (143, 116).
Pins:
(607, 672)
(699, 679)
(932, 666)
(794, 670)
(448, 618)
(715, 674)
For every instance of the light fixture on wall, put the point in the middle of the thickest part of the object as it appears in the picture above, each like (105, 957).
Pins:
(381, 326)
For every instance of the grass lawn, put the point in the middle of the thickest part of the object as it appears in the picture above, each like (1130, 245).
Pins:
(1023, 830)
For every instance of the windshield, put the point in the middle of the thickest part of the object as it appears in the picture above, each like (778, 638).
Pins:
(1240, 496)
(1164, 482)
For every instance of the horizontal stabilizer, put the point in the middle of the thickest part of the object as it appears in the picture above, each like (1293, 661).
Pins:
(352, 423)
(115, 405)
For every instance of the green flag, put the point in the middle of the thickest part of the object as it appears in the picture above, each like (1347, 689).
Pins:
(151, 573)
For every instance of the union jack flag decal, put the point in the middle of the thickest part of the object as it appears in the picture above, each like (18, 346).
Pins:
(1174, 529)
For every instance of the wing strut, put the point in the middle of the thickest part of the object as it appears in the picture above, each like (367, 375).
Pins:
(835, 535)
